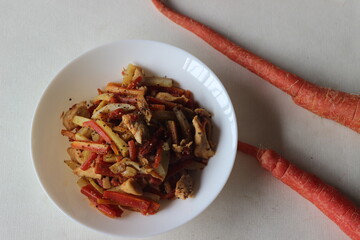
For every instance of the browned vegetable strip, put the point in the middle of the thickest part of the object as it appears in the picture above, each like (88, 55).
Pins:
(184, 124)
(171, 126)
(162, 115)
(116, 88)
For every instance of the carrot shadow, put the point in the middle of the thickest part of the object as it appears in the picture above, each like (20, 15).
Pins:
(258, 124)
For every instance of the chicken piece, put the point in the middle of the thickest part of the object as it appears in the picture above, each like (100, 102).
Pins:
(132, 187)
(117, 167)
(85, 131)
(88, 173)
(125, 133)
(184, 187)
(71, 164)
(82, 182)
(202, 112)
(106, 183)
(168, 97)
(143, 161)
(144, 107)
(182, 146)
(129, 172)
(136, 126)
(121, 128)
(110, 158)
(202, 146)
(75, 154)
(78, 109)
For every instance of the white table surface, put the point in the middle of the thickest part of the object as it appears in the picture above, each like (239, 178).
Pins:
(316, 39)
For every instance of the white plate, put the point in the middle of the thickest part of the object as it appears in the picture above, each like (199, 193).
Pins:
(79, 81)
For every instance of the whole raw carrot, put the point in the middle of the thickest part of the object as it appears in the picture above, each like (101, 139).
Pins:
(328, 103)
(325, 197)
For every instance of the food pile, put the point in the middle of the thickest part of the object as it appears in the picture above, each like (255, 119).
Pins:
(137, 142)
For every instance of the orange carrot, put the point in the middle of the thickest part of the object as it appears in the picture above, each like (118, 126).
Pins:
(132, 150)
(328, 103)
(135, 83)
(155, 107)
(158, 101)
(159, 152)
(68, 134)
(87, 164)
(325, 197)
(128, 200)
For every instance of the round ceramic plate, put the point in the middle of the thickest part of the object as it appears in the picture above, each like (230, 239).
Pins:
(78, 81)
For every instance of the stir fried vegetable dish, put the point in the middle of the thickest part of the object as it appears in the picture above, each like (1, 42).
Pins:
(137, 142)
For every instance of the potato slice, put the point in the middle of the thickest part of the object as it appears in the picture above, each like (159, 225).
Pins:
(80, 120)
(88, 173)
(132, 187)
(82, 182)
(158, 81)
(96, 186)
(79, 137)
(102, 97)
(116, 88)
(128, 73)
(71, 164)
(75, 154)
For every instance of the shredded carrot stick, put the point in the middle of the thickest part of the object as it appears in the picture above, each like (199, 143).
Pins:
(328, 103)
(122, 99)
(158, 155)
(114, 148)
(100, 91)
(149, 145)
(132, 150)
(87, 164)
(325, 197)
(155, 107)
(135, 83)
(68, 134)
(158, 101)
(113, 99)
(105, 201)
